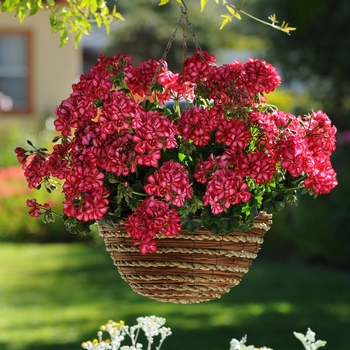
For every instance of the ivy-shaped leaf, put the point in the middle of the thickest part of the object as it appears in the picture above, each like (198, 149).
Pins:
(107, 220)
(274, 203)
(189, 224)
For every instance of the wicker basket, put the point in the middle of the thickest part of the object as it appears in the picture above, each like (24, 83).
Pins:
(189, 267)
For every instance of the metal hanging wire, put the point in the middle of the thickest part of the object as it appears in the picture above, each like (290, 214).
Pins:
(185, 24)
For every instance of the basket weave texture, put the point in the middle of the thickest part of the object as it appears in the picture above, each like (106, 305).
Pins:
(191, 267)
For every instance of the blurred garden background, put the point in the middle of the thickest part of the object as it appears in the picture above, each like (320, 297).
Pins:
(56, 288)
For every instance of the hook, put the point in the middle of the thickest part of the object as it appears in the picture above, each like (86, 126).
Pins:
(183, 7)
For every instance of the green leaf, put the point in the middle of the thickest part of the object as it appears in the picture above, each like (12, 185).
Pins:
(124, 192)
(58, 26)
(93, 6)
(82, 22)
(117, 15)
(107, 25)
(30, 143)
(104, 11)
(274, 203)
(53, 19)
(56, 138)
(189, 224)
(230, 9)
(74, 226)
(48, 217)
(163, 2)
(107, 220)
(246, 226)
(51, 3)
(118, 211)
(21, 12)
(63, 37)
(224, 22)
(223, 223)
(77, 38)
(229, 221)
(203, 3)
(182, 157)
(98, 20)
(34, 9)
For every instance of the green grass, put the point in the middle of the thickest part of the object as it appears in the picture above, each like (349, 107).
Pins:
(55, 296)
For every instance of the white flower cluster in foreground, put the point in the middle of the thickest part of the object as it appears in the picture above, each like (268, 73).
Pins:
(152, 326)
(308, 340)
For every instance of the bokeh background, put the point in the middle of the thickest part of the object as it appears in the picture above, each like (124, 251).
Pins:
(56, 289)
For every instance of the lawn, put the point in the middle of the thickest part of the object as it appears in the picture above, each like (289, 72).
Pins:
(55, 296)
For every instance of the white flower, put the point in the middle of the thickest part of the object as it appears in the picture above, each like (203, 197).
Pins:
(238, 345)
(127, 347)
(95, 345)
(152, 326)
(308, 340)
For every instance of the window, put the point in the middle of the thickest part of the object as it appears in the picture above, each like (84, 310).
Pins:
(15, 72)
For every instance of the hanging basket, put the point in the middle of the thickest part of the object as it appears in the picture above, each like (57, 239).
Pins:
(191, 267)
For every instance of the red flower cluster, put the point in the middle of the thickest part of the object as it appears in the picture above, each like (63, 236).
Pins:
(153, 217)
(171, 183)
(36, 209)
(230, 85)
(225, 188)
(117, 136)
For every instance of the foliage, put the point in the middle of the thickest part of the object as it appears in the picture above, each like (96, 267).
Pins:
(214, 164)
(56, 295)
(235, 12)
(75, 17)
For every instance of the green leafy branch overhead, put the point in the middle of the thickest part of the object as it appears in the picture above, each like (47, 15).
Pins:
(76, 16)
(235, 12)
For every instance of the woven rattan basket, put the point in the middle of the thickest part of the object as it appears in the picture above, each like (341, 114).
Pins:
(189, 267)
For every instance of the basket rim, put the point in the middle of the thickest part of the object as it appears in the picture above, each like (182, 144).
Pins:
(262, 221)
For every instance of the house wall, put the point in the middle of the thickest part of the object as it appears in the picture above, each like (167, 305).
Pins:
(53, 68)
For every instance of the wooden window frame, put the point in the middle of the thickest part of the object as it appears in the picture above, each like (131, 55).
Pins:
(28, 35)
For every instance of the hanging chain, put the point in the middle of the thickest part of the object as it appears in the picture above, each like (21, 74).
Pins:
(166, 50)
(185, 23)
(188, 24)
(172, 38)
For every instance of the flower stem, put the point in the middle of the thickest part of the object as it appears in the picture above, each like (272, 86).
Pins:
(140, 194)
(290, 188)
